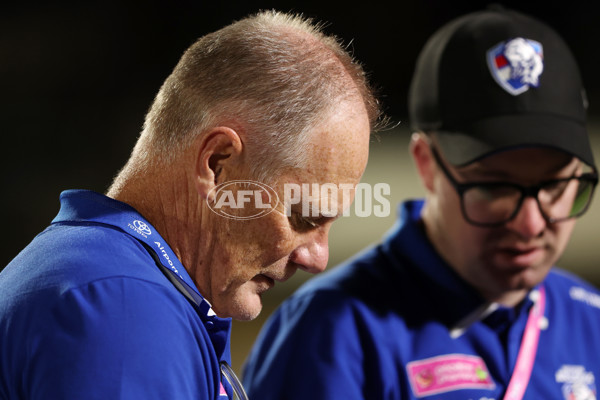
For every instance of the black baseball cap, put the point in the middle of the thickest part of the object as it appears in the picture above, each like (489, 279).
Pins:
(495, 80)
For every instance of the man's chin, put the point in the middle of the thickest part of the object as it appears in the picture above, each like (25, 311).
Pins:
(243, 308)
(247, 314)
(518, 285)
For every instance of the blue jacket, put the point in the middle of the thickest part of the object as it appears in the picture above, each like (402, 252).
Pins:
(87, 313)
(389, 324)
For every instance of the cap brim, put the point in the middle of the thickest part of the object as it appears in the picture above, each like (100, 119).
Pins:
(485, 137)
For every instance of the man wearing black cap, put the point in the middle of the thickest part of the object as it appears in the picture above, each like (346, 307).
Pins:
(461, 301)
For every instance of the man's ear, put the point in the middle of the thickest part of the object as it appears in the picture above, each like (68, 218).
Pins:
(218, 149)
(421, 152)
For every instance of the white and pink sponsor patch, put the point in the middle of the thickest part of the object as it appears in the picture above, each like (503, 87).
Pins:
(448, 372)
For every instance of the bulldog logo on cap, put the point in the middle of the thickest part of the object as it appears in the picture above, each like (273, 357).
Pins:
(516, 64)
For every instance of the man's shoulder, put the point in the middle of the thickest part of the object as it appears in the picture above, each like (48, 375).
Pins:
(572, 291)
(66, 257)
(89, 295)
(81, 248)
(85, 273)
(562, 279)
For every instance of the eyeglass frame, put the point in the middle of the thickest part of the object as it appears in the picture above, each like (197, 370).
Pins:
(526, 191)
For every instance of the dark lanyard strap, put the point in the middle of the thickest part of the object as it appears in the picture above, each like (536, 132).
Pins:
(179, 283)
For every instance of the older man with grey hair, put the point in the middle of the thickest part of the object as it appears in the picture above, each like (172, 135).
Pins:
(129, 295)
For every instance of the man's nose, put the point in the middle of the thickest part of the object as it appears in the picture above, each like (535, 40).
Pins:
(312, 255)
(529, 221)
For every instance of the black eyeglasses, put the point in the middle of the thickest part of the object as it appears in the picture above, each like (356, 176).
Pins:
(490, 204)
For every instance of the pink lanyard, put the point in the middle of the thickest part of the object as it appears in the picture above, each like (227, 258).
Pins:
(526, 358)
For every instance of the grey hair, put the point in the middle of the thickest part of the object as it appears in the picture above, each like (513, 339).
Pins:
(277, 75)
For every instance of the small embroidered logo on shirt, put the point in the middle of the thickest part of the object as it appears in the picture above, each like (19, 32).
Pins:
(140, 227)
(580, 294)
(578, 384)
(446, 373)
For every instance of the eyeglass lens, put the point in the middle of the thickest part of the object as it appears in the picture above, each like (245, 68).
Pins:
(558, 200)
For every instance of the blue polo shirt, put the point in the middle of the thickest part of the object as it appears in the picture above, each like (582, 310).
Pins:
(396, 322)
(87, 312)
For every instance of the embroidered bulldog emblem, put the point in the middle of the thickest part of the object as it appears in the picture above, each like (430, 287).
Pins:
(516, 64)
(577, 383)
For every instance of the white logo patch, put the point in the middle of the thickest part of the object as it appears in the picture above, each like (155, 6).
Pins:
(578, 384)
(589, 298)
(141, 228)
(516, 64)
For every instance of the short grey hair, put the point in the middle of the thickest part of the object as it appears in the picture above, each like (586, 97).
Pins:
(276, 74)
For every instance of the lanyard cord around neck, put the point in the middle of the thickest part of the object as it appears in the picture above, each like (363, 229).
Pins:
(179, 283)
(529, 345)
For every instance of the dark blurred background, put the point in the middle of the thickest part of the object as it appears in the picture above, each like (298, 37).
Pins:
(76, 79)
